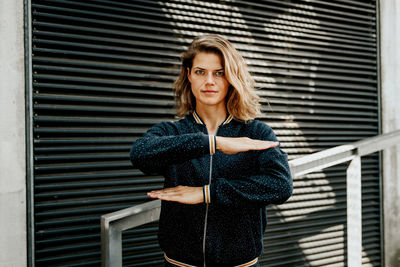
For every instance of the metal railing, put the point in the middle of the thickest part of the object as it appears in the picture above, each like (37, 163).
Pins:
(113, 224)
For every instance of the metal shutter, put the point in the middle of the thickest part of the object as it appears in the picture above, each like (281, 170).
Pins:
(102, 75)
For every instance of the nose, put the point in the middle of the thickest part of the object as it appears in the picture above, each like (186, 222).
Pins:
(210, 79)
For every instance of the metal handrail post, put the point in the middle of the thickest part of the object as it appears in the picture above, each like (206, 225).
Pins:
(111, 245)
(112, 225)
(354, 213)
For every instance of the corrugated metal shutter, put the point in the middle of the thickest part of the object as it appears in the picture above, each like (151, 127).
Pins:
(102, 74)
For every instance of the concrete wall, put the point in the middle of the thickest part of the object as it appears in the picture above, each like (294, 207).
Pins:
(390, 90)
(12, 135)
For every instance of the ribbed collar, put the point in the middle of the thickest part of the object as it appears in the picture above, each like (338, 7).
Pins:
(197, 118)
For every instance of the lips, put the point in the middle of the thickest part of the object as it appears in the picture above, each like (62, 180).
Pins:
(209, 92)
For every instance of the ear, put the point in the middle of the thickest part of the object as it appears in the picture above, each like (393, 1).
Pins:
(188, 74)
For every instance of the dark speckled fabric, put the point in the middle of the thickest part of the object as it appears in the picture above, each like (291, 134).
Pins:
(242, 186)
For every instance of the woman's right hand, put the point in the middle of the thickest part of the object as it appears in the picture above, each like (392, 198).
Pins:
(233, 145)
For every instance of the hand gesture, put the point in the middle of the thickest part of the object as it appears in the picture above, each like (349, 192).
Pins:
(233, 145)
(181, 194)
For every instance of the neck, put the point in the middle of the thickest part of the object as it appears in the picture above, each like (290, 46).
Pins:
(212, 117)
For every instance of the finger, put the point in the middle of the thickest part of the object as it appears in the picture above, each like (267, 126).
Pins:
(162, 191)
(272, 144)
(152, 194)
(261, 145)
(171, 197)
(156, 194)
(162, 196)
(167, 197)
(171, 189)
(170, 192)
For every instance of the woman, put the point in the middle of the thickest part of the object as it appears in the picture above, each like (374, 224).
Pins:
(221, 166)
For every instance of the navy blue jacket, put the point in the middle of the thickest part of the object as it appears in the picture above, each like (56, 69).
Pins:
(233, 217)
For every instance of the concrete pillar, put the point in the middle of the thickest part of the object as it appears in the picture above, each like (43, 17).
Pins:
(390, 93)
(13, 233)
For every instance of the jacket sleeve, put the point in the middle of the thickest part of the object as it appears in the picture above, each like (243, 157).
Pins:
(270, 184)
(158, 148)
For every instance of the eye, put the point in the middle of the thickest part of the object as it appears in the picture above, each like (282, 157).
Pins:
(220, 73)
(199, 72)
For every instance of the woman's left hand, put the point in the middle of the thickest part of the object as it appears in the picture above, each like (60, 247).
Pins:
(181, 194)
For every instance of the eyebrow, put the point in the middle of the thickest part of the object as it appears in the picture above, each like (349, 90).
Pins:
(200, 68)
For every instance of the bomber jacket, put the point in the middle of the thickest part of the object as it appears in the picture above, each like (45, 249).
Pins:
(227, 229)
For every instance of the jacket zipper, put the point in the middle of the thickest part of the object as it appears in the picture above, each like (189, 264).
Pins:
(206, 217)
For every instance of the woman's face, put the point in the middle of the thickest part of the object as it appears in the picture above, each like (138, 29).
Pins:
(208, 82)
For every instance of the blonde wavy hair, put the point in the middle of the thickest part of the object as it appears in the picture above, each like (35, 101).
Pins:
(241, 101)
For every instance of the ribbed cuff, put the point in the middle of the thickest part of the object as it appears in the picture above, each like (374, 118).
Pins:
(213, 145)
(207, 195)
